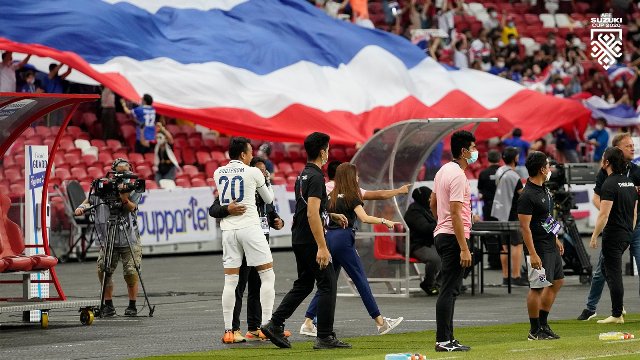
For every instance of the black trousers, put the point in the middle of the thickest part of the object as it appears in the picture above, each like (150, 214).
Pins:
(451, 282)
(613, 246)
(248, 275)
(309, 273)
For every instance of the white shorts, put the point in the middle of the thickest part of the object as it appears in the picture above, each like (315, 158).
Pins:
(249, 242)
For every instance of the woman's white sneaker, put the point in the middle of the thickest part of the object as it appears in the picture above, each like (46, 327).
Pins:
(388, 325)
(308, 331)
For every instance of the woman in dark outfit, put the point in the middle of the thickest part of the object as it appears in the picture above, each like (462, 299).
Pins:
(346, 199)
(616, 221)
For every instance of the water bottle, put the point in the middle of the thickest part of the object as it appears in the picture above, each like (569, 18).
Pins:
(406, 356)
(615, 335)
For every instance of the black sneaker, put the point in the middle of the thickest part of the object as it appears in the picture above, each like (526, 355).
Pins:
(452, 345)
(108, 311)
(275, 334)
(131, 311)
(330, 342)
(587, 315)
(519, 282)
(539, 335)
(429, 290)
(549, 332)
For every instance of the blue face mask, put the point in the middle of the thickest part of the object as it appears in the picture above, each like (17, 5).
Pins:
(473, 158)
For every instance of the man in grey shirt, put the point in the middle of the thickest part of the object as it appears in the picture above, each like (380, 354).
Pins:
(508, 188)
(129, 234)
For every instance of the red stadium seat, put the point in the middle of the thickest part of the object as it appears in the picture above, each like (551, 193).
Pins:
(150, 185)
(136, 159)
(197, 182)
(89, 159)
(188, 156)
(187, 129)
(279, 180)
(284, 167)
(350, 152)
(149, 158)
(17, 189)
(122, 118)
(74, 131)
(298, 166)
(210, 167)
(144, 172)
(209, 144)
(105, 158)
(219, 157)
(72, 159)
(190, 170)
(181, 182)
(210, 182)
(100, 144)
(94, 172)
(66, 144)
(223, 142)
(203, 157)
(195, 143)
(86, 186)
(62, 174)
(114, 145)
(43, 131)
(28, 132)
(78, 172)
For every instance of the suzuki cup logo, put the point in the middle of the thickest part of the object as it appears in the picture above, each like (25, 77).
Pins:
(606, 39)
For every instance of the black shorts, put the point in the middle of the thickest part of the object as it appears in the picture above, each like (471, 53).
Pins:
(552, 264)
(514, 238)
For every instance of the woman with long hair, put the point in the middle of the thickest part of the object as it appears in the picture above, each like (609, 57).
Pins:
(346, 199)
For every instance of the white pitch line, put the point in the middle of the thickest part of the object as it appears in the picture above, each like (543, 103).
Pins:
(621, 341)
(530, 349)
(457, 320)
(606, 356)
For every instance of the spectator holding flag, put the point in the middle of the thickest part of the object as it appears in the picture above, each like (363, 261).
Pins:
(145, 116)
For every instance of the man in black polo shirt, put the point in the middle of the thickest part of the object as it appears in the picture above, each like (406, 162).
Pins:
(539, 229)
(618, 202)
(623, 142)
(313, 259)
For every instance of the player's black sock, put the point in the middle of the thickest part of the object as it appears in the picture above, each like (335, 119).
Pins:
(132, 303)
(543, 317)
(108, 303)
(535, 325)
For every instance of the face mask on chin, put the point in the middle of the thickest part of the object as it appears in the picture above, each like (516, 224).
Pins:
(548, 176)
(325, 159)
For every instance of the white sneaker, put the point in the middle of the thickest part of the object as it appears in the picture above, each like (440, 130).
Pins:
(612, 320)
(388, 325)
(309, 331)
(624, 312)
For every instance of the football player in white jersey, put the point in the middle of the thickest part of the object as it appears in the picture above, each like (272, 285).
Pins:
(243, 234)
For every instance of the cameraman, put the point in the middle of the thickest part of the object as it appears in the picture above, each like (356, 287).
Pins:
(249, 275)
(121, 249)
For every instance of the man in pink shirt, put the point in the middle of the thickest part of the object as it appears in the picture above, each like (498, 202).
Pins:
(452, 204)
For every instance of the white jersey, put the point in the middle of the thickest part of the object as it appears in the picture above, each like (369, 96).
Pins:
(237, 181)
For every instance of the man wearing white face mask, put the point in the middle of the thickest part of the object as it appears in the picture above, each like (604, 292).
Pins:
(599, 138)
(165, 163)
(452, 205)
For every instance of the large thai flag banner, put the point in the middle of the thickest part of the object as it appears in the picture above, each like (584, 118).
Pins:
(270, 69)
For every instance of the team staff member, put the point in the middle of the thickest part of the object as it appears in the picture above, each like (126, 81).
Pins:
(310, 249)
(452, 204)
(625, 143)
(121, 249)
(539, 229)
(249, 275)
(618, 214)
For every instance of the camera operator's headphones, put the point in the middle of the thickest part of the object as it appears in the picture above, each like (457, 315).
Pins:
(117, 162)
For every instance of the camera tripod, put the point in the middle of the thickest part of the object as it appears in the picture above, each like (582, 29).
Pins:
(578, 261)
(115, 225)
